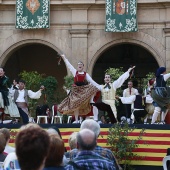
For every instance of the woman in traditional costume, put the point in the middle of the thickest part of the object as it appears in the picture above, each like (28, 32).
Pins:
(82, 92)
(160, 95)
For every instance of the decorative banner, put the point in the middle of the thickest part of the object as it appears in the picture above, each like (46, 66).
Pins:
(121, 16)
(152, 147)
(32, 14)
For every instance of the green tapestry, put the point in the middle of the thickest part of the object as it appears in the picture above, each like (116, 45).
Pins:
(32, 14)
(121, 16)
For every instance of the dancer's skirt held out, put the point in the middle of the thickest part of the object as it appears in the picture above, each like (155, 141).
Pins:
(78, 99)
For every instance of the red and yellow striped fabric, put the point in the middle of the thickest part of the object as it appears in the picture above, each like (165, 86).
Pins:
(153, 152)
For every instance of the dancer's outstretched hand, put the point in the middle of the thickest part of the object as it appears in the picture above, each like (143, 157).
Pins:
(63, 55)
(131, 68)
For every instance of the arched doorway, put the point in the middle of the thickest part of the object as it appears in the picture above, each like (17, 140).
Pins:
(124, 55)
(35, 57)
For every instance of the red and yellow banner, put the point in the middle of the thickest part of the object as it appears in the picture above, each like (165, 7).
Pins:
(152, 152)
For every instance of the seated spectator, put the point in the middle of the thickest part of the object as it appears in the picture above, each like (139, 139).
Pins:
(6, 132)
(2, 147)
(32, 145)
(55, 155)
(87, 158)
(102, 120)
(72, 141)
(56, 131)
(11, 157)
(95, 127)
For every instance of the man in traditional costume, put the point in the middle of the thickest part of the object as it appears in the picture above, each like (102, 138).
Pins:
(161, 95)
(138, 110)
(21, 99)
(127, 93)
(4, 85)
(78, 101)
(108, 92)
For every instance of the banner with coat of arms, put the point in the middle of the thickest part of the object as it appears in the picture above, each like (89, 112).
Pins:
(32, 14)
(121, 16)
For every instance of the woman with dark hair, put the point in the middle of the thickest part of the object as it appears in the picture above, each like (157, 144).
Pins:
(160, 95)
(55, 155)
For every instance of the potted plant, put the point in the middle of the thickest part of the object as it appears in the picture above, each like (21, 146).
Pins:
(122, 146)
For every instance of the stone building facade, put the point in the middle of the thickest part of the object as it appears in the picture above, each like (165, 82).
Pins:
(77, 29)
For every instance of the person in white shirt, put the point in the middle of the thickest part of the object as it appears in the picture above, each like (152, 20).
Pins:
(127, 93)
(21, 99)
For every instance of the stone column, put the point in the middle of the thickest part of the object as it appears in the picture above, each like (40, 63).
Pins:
(79, 34)
(167, 37)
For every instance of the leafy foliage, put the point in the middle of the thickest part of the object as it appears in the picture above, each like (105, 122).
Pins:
(33, 80)
(68, 81)
(122, 146)
(50, 84)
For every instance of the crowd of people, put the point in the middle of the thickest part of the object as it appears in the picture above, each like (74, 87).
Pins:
(44, 149)
(81, 99)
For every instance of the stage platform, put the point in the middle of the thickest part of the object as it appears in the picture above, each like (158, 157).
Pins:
(157, 138)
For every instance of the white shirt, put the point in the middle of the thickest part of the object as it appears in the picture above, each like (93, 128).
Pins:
(31, 94)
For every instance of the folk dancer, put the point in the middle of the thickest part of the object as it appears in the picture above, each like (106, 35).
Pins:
(21, 99)
(108, 92)
(160, 95)
(79, 99)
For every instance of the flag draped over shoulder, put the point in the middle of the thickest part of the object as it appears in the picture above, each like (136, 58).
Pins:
(32, 14)
(121, 16)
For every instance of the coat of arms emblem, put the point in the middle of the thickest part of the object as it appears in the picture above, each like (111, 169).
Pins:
(32, 6)
(120, 7)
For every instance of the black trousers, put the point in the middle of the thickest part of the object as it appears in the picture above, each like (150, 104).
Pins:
(24, 116)
(128, 110)
(139, 114)
(105, 107)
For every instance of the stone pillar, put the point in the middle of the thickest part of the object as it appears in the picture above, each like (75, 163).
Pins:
(79, 35)
(167, 48)
(167, 37)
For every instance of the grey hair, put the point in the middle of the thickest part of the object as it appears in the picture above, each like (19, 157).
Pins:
(91, 125)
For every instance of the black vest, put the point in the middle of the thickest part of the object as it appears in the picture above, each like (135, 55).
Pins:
(160, 82)
(138, 102)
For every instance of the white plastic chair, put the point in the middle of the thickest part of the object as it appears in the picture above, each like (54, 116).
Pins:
(69, 119)
(55, 117)
(42, 117)
(165, 159)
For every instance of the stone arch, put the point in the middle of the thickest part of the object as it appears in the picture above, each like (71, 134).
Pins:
(144, 40)
(15, 41)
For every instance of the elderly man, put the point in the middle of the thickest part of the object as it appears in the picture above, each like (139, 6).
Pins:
(87, 158)
(104, 152)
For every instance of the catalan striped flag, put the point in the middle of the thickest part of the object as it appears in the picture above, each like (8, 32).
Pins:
(157, 143)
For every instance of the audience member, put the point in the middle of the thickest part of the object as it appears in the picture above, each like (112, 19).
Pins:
(32, 145)
(6, 132)
(55, 155)
(102, 120)
(56, 131)
(2, 147)
(73, 140)
(95, 127)
(87, 158)
(11, 157)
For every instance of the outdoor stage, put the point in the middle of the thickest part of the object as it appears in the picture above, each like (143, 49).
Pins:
(157, 138)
